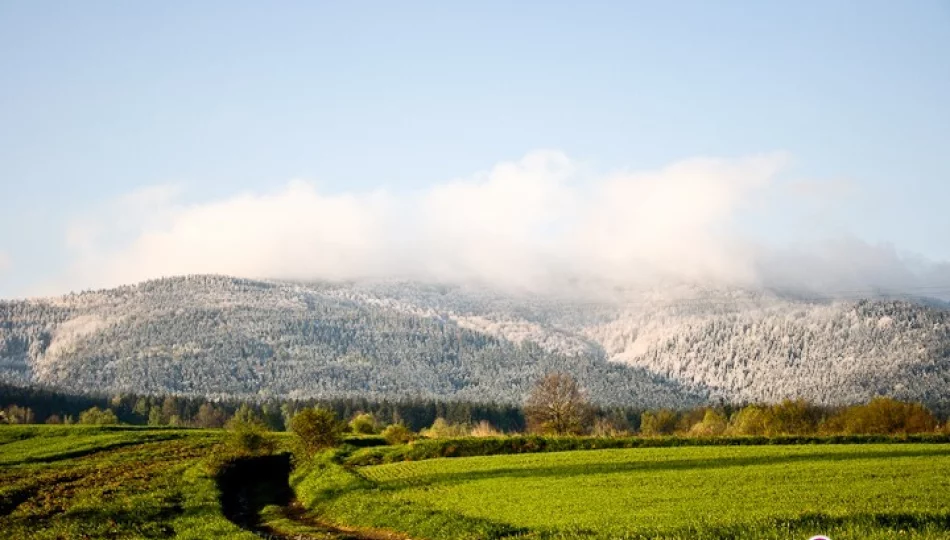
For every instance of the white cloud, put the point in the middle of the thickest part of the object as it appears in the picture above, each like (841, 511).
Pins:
(520, 224)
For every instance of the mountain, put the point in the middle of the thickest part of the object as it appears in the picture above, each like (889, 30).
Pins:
(672, 346)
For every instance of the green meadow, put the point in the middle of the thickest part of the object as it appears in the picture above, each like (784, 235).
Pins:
(121, 482)
(109, 482)
(859, 491)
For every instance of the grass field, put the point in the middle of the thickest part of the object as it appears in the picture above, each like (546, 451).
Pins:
(96, 482)
(113, 482)
(860, 491)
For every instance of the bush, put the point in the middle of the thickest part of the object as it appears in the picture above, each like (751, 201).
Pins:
(249, 435)
(363, 424)
(485, 429)
(753, 420)
(14, 414)
(316, 429)
(98, 417)
(713, 424)
(397, 434)
(441, 429)
(254, 440)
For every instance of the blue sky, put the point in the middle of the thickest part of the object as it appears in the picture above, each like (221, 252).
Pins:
(99, 100)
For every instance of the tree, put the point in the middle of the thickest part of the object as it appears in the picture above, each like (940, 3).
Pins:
(155, 416)
(712, 424)
(249, 435)
(141, 408)
(316, 428)
(662, 422)
(397, 434)
(15, 414)
(755, 420)
(170, 408)
(796, 417)
(363, 424)
(882, 416)
(557, 405)
(97, 416)
(442, 429)
(209, 416)
(245, 414)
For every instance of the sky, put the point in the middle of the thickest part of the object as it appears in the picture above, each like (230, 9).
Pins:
(779, 143)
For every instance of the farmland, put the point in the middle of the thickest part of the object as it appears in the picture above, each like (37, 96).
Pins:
(123, 482)
(98, 482)
(847, 491)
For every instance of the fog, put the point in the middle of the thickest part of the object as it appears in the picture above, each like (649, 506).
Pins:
(530, 224)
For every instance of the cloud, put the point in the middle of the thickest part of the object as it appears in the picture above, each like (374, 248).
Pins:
(530, 223)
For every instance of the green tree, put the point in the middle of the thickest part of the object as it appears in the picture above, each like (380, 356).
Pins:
(170, 408)
(363, 424)
(316, 428)
(796, 417)
(442, 429)
(245, 414)
(155, 416)
(398, 434)
(713, 424)
(141, 408)
(248, 435)
(97, 416)
(662, 422)
(209, 416)
(753, 420)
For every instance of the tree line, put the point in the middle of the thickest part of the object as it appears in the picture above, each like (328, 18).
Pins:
(557, 405)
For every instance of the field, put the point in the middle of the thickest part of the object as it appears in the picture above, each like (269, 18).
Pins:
(846, 491)
(97, 482)
(113, 482)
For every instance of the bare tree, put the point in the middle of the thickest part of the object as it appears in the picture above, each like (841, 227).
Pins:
(557, 405)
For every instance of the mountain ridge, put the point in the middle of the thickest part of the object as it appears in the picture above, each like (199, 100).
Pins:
(671, 347)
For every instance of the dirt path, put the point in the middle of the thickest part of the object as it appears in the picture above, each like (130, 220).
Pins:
(305, 526)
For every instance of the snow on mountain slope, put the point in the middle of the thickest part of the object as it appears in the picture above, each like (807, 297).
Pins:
(672, 346)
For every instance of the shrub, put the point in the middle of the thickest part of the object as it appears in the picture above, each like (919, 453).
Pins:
(441, 429)
(97, 416)
(605, 427)
(249, 435)
(316, 429)
(397, 434)
(485, 429)
(363, 424)
(713, 424)
(15, 414)
(754, 420)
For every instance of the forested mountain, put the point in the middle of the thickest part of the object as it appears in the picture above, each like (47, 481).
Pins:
(676, 346)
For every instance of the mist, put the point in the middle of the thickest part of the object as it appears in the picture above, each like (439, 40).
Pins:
(530, 224)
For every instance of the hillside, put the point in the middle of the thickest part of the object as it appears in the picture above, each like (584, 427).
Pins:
(679, 346)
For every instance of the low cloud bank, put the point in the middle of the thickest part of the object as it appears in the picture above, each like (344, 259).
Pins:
(534, 224)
